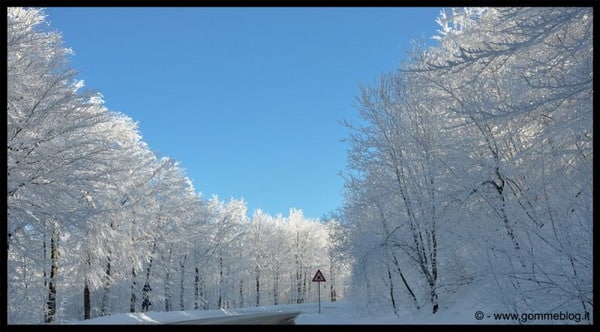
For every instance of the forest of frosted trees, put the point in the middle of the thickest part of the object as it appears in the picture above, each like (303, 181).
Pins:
(471, 169)
(98, 224)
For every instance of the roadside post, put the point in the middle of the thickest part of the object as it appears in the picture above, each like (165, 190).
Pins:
(318, 278)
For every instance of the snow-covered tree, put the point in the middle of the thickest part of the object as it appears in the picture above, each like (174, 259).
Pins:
(84, 192)
(99, 224)
(60, 145)
(520, 81)
(475, 160)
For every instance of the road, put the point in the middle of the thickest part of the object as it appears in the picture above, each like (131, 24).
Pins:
(263, 318)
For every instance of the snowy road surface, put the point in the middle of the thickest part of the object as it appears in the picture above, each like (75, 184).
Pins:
(266, 318)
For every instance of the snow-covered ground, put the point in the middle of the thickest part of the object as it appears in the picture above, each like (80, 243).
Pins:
(331, 313)
(461, 310)
(337, 313)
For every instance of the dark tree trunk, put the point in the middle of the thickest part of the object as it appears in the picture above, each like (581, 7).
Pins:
(86, 301)
(196, 288)
(45, 275)
(241, 293)
(146, 297)
(147, 289)
(392, 298)
(51, 304)
(332, 294)
(299, 284)
(181, 288)
(168, 304)
(86, 290)
(133, 289)
(408, 288)
(257, 286)
(107, 272)
(434, 301)
(219, 302)
(303, 287)
(275, 287)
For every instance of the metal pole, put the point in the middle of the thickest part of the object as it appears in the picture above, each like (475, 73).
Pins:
(319, 283)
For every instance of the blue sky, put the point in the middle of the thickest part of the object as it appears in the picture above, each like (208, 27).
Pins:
(249, 100)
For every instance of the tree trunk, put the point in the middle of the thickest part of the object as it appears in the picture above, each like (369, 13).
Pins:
(408, 288)
(196, 288)
(332, 294)
(434, 272)
(298, 270)
(275, 287)
(133, 288)
(147, 289)
(86, 290)
(219, 302)
(181, 288)
(299, 286)
(392, 298)
(146, 297)
(257, 269)
(104, 308)
(241, 293)
(205, 303)
(434, 300)
(308, 291)
(168, 304)
(51, 304)
(304, 287)
(45, 275)
(86, 301)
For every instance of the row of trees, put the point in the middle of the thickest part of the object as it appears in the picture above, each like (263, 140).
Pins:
(98, 224)
(472, 169)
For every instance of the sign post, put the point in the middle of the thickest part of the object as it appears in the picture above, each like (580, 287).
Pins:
(318, 278)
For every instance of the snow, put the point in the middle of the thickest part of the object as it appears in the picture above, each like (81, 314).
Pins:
(332, 313)
(457, 309)
(337, 313)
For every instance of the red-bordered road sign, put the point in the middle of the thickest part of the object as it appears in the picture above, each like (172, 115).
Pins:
(318, 277)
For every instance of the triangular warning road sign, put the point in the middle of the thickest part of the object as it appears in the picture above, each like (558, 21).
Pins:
(318, 276)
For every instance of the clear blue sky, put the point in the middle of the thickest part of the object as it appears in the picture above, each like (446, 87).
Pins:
(249, 100)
